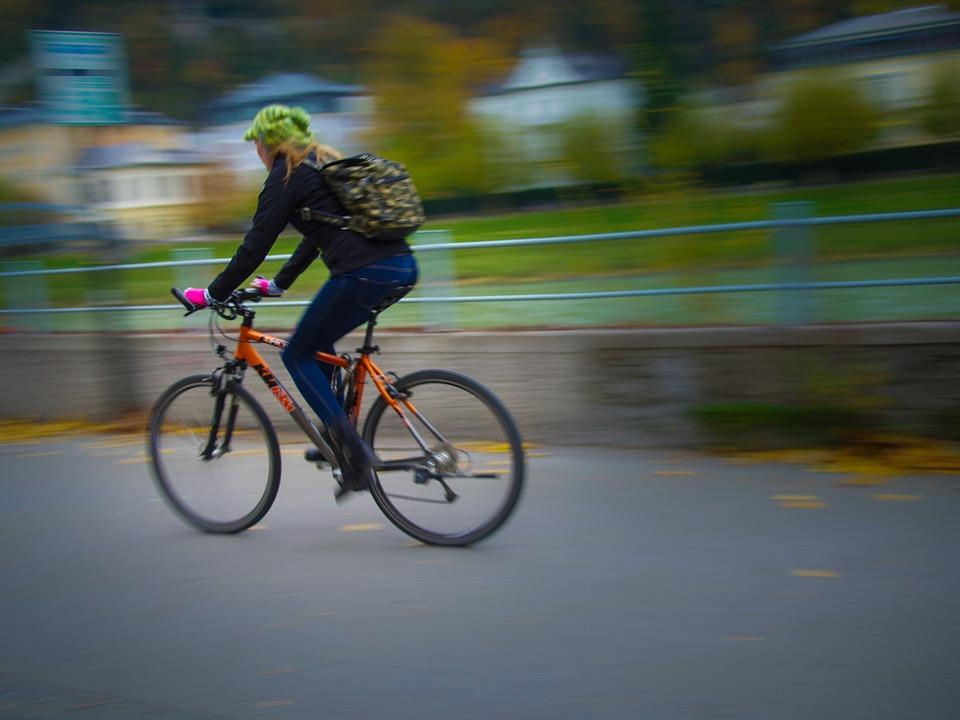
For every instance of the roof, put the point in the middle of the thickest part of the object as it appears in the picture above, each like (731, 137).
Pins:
(107, 157)
(547, 67)
(878, 26)
(280, 88)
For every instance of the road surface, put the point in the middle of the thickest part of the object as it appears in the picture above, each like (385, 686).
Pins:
(630, 584)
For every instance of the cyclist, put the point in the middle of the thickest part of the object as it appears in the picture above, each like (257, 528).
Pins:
(363, 272)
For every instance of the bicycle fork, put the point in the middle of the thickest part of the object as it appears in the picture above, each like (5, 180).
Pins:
(212, 449)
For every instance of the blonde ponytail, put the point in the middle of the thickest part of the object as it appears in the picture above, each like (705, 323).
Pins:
(295, 153)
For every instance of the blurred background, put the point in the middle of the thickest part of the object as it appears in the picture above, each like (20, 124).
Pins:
(694, 155)
(726, 323)
(597, 117)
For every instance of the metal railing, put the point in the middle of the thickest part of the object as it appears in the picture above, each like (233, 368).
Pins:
(789, 224)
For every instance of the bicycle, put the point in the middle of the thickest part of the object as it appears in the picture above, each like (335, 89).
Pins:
(453, 486)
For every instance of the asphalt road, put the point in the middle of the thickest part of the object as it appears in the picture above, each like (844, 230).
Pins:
(629, 585)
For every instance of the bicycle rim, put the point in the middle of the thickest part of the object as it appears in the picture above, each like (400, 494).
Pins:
(474, 448)
(236, 483)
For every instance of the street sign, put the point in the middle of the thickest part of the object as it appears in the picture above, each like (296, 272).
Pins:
(81, 76)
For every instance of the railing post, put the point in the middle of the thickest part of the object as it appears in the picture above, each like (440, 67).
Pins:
(438, 279)
(28, 292)
(792, 252)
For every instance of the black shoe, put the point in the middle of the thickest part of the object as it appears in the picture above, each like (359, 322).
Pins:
(344, 487)
(355, 469)
(315, 456)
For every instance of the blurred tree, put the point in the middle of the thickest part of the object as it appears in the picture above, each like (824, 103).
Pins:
(673, 151)
(823, 115)
(16, 17)
(696, 139)
(661, 89)
(735, 38)
(334, 34)
(248, 8)
(594, 24)
(594, 150)
(183, 51)
(508, 30)
(421, 74)
(941, 116)
(799, 16)
(152, 57)
(871, 7)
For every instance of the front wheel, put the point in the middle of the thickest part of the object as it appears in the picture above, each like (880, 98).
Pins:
(214, 454)
(452, 460)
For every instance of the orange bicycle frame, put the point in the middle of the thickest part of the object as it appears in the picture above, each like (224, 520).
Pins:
(245, 352)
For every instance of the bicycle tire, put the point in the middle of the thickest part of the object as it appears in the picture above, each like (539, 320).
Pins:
(501, 432)
(167, 483)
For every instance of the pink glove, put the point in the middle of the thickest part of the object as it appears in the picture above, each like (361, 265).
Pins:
(198, 296)
(267, 288)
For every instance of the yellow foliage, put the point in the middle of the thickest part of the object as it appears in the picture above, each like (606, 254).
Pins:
(25, 431)
(870, 459)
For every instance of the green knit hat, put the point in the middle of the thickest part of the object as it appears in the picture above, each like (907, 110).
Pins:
(276, 124)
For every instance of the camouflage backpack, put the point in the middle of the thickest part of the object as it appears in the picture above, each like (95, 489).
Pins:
(378, 195)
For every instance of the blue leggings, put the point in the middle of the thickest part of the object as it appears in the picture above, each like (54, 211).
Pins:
(343, 303)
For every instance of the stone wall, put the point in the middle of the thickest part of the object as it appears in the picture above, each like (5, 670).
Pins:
(636, 387)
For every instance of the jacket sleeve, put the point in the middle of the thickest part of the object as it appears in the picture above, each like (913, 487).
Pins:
(305, 254)
(274, 207)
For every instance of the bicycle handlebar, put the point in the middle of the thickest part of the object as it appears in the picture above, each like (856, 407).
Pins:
(178, 294)
(229, 308)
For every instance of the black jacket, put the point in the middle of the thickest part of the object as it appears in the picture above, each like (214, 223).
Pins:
(342, 250)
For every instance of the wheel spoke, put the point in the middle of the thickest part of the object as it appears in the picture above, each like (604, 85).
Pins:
(226, 491)
(455, 493)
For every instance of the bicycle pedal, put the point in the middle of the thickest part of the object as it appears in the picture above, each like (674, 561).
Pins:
(341, 493)
(421, 477)
(315, 456)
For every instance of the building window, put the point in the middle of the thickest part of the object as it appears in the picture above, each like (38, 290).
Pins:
(884, 90)
(124, 192)
(167, 188)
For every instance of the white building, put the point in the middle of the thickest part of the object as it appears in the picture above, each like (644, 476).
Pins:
(547, 89)
(148, 192)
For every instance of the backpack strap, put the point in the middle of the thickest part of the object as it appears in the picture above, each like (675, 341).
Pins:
(340, 221)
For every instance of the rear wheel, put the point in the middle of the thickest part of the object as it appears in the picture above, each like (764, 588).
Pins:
(468, 481)
(214, 454)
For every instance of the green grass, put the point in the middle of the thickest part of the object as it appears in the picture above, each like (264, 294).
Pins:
(696, 207)
(661, 262)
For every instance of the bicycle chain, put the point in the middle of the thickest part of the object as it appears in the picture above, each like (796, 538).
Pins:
(417, 499)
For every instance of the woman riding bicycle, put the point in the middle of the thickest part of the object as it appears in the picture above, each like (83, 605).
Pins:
(363, 272)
